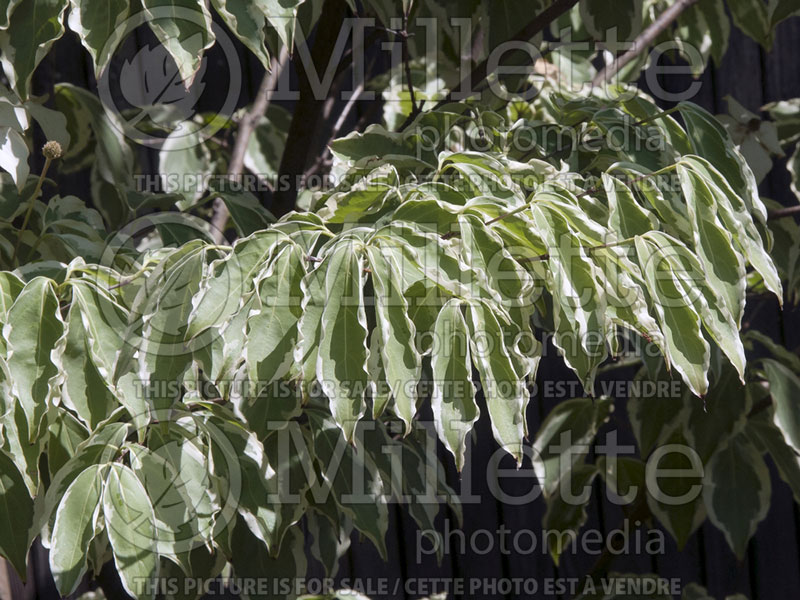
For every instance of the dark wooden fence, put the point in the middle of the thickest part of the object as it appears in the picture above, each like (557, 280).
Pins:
(771, 568)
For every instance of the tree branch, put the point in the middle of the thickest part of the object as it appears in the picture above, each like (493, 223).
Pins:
(784, 212)
(643, 41)
(249, 121)
(480, 72)
(308, 110)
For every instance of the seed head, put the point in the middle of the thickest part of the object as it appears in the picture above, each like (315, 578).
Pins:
(52, 150)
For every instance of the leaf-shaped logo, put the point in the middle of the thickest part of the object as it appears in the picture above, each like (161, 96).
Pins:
(152, 82)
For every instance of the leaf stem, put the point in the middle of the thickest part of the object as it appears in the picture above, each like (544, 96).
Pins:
(658, 115)
(31, 202)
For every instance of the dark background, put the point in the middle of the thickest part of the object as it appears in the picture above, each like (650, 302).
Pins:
(771, 568)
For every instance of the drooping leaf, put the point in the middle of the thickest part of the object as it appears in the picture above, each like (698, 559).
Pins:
(33, 27)
(246, 20)
(506, 395)
(184, 28)
(34, 327)
(736, 492)
(131, 529)
(16, 515)
(565, 437)
(687, 349)
(784, 386)
(401, 360)
(453, 397)
(75, 526)
(14, 155)
(342, 356)
(98, 22)
(579, 304)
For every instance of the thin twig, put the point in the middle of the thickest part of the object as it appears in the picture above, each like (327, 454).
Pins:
(643, 41)
(246, 127)
(481, 71)
(784, 212)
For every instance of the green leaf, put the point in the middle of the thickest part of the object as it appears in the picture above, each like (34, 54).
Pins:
(34, 327)
(785, 389)
(626, 18)
(736, 492)
(578, 303)
(52, 122)
(103, 318)
(676, 501)
(97, 22)
(717, 321)
(266, 144)
(84, 390)
(453, 397)
(231, 278)
(183, 158)
(342, 356)
(710, 140)
(131, 529)
(6, 7)
(176, 522)
(331, 541)
(738, 219)
(66, 434)
(353, 479)
(753, 19)
(16, 515)
(246, 211)
(14, 155)
(506, 395)
(281, 15)
(75, 527)
(492, 264)
(401, 360)
(722, 415)
(762, 431)
(272, 333)
(114, 157)
(719, 26)
(164, 356)
(723, 265)
(565, 514)
(626, 216)
(565, 437)
(246, 20)
(687, 349)
(252, 562)
(624, 477)
(33, 26)
(184, 28)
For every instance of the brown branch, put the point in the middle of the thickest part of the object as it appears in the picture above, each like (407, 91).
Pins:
(247, 125)
(784, 212)
(643, 41)
(308, 109)
(480, 72)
